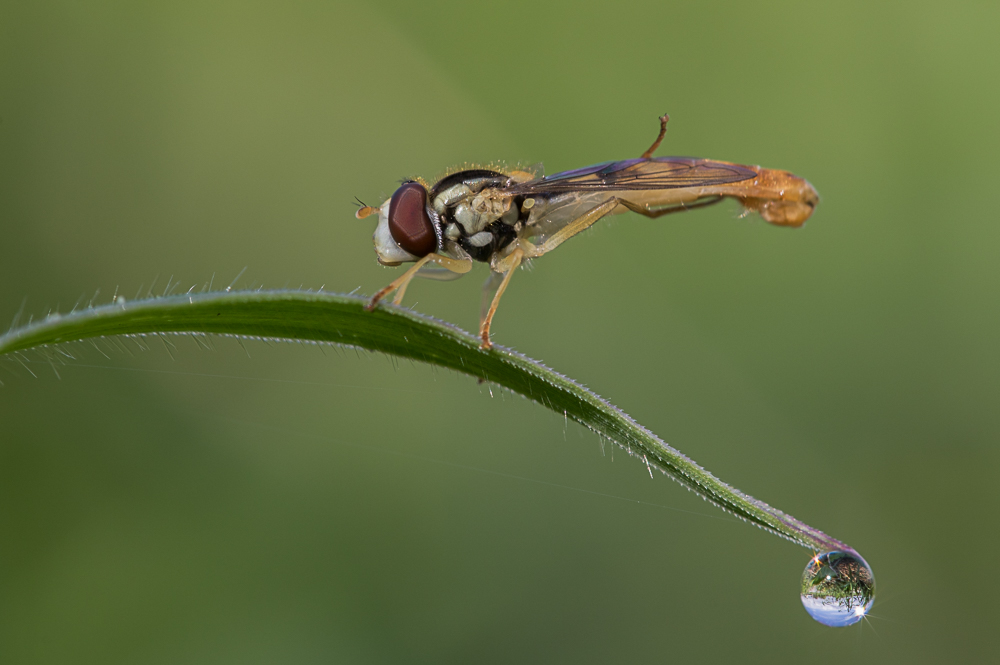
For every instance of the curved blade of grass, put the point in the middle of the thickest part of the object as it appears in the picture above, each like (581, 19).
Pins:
(341, 319)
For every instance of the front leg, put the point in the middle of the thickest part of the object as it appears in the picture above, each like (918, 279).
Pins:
(400, 283)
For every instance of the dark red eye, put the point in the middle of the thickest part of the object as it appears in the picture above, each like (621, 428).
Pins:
(409, 224)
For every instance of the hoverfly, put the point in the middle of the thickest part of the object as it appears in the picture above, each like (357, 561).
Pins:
(505, 218)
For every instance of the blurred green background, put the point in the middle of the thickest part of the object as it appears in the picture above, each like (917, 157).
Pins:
(302, 507)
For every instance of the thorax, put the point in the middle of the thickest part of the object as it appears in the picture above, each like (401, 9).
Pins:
(473, 211)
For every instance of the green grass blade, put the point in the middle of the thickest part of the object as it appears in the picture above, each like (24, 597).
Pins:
(341, 319)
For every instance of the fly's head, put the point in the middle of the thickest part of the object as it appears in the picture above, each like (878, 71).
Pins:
(464, 215)
(405, 230)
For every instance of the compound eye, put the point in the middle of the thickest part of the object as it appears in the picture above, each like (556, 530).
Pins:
(409, 224)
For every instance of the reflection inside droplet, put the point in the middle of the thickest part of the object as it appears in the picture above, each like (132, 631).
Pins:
(838, 588)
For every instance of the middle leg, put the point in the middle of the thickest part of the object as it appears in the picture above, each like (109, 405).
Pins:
(581, 223)
(514, 260)
(489, 290)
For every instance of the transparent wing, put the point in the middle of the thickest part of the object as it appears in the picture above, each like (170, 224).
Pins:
(438, 273)
(636, 174)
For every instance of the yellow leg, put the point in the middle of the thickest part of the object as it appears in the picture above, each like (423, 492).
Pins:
(489, 290)
(656, 144)
(484, 326)
(401, 291)
(581, 223)
(680, 207)
(400, 283)
(524, 249)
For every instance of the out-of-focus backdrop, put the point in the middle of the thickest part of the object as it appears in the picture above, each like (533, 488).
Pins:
(184, 505)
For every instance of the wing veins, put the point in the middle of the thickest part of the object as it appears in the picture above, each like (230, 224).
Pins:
(655, 173)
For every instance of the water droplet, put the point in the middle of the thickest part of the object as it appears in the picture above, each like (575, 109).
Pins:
(838, 588)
